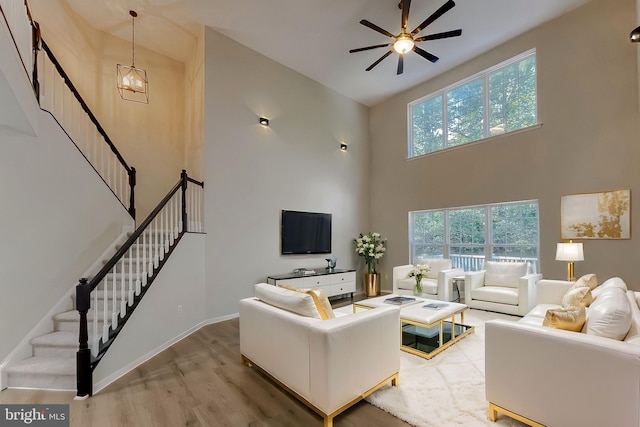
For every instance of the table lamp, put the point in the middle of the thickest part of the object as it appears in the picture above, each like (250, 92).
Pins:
(570, 252)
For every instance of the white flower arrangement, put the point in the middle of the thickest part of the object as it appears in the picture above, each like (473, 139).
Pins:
(419, 272)
(370, 246)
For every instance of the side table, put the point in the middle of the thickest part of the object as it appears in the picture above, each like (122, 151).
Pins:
(457, 282)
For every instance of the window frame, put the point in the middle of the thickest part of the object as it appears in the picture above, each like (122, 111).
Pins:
(484, 76)
(488, 231)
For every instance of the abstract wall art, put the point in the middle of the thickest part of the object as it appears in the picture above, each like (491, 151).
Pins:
(603, 215)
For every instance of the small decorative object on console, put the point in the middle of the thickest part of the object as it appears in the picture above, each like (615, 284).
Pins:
(331, 262)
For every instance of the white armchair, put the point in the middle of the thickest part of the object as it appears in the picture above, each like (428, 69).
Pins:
(437, 284)
(504, 287)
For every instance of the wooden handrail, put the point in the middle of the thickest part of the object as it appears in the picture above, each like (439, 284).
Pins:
(131, 240)
(84, 105)
(84, 359)
(131, 171)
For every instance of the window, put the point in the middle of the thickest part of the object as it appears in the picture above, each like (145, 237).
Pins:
(495, 101)
(469, 235)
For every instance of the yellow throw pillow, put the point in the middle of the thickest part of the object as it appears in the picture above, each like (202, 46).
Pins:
(575, 297)
(589, 280)
(567, 318)
(322, 303)
(320, 300)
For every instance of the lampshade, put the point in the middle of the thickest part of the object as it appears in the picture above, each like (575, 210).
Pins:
(132, 82)
(403, 43)
(569, 252)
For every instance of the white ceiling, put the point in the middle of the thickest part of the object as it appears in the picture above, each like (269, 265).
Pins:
(313, 37)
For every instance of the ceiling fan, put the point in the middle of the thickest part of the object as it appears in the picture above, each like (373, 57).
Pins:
(406, 41)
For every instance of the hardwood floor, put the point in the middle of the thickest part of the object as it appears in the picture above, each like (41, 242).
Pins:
(199, 381)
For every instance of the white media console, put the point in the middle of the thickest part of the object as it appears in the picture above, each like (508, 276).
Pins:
(333, 282)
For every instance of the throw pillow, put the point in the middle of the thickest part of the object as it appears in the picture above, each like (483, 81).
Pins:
(320, 300)
(589, 280)
(634, 330)
(286, 299)
(609, 315)
(567, 318)
(614, 282)
(322, 303)
(505, 274)
(576, 297)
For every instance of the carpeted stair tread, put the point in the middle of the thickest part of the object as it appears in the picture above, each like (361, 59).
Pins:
(57, 339)
(74, 316)
(44, 366)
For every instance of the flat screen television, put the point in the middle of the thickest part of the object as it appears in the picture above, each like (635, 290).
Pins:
(305, 233)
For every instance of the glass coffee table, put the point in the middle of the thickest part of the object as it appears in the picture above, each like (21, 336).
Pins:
(430, 327)
(427, 326)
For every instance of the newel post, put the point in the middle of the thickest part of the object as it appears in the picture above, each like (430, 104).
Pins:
(183, 177)
(132, 199)
(83, 357)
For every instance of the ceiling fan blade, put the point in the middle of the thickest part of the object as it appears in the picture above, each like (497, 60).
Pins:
(376, 28)
(426, 55)
(406, 4)
(446, 34)
(379, 60)
(400, 64)
(437, 14)
(360, 49)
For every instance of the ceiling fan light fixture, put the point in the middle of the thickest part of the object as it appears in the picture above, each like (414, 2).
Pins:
(403, 44)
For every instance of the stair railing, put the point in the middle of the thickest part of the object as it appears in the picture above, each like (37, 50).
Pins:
(116, 290)
(60, 97)
(57, 95)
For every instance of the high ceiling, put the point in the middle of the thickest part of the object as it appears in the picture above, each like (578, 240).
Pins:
(313, 37)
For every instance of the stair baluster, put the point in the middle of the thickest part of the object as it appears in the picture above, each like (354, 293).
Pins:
(155, 236)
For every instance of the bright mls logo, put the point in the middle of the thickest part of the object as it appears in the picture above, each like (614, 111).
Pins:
(34, 415)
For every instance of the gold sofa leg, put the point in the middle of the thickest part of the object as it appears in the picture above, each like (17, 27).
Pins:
(246, 361)
(495, 409)
(493, 413)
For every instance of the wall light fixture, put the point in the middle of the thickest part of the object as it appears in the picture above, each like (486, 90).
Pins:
(635, 35)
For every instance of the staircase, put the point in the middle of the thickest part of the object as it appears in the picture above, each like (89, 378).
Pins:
(52, 365)
(86, 322)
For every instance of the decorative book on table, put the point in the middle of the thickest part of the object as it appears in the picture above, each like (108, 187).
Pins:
(399, 300)
(436, 305)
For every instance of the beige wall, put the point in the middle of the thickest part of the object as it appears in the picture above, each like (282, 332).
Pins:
(253, 172)
(150, 137)
(194, 111)
(588, 142)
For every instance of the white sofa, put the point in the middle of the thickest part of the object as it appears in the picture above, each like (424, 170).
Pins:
(328, 364)
(504, 287)
(438, 283)
(561, 378)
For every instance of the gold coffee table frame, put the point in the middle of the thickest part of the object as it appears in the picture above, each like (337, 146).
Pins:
(409, 315)
(440, 323)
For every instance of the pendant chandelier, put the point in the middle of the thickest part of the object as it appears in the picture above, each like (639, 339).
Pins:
(133, 84)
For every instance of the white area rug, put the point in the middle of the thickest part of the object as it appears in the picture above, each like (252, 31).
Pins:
(447, 390)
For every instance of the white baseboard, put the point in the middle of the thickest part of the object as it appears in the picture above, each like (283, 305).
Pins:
(131, 366)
